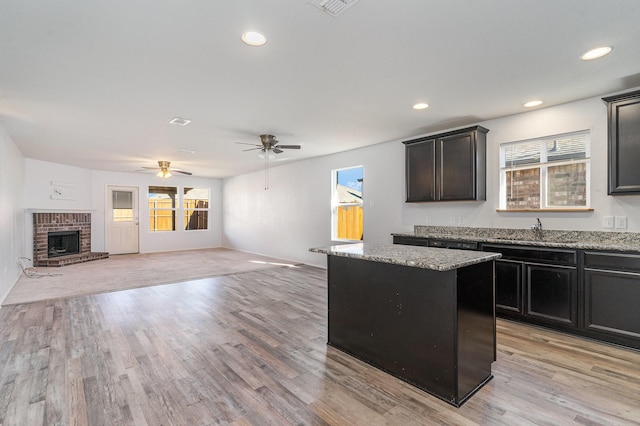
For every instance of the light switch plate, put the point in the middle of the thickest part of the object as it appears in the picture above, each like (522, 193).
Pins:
(607, 222)
(621, 222)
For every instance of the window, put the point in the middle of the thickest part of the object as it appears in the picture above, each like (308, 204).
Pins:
(162, 208)
(546, 173)
(196, 208)
(122, 202)
(346, 203)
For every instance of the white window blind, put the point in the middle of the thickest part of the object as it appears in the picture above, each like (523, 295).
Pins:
(566, 147)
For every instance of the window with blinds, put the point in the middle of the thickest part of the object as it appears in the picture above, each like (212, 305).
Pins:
(546, 173)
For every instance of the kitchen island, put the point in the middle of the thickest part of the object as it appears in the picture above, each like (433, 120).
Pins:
(425, 315)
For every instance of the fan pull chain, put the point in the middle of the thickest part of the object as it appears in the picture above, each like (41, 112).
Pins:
(266, 170)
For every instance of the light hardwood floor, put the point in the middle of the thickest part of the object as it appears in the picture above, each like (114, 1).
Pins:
(250, 349)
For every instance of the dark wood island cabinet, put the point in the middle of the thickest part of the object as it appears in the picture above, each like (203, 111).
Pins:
(424, 315)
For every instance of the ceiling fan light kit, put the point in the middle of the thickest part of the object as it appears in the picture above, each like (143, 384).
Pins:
(164, 174)
(165, 170)
(268, 147)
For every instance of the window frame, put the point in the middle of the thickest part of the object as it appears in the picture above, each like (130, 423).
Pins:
(207, 209)
(543, 165)
(335, 204)
(173, 209)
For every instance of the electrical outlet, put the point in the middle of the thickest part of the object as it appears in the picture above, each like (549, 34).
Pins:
(621, 222)
(427, 219)
(460, 220)
(452, 220)
(607, 222)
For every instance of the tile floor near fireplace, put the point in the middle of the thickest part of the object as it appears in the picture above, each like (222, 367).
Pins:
(62, 239)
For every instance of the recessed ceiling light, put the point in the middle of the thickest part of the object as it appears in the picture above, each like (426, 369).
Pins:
(532, 104)
(596, 53)
(254, 38)
(421, 105)
(180, 121)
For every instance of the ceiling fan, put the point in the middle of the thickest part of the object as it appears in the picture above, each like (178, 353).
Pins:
(165, 171)
(268, 145)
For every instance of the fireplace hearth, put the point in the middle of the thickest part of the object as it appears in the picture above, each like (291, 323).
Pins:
(62, 239)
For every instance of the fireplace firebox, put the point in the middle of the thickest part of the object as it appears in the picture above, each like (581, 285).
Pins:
(63, 243)
(62, 238)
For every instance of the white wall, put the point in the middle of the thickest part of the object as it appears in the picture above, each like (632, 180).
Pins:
(157, 241)
(12, 227)
(88, 189)
(294, 214)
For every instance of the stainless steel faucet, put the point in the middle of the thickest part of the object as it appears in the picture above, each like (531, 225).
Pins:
(537, 229)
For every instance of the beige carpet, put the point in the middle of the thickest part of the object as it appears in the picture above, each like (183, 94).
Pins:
(134, 270)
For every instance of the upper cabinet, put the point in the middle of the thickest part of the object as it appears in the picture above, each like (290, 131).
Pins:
(447, 167)
(624, 143)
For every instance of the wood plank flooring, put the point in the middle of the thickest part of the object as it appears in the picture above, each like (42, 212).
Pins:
(250, 349)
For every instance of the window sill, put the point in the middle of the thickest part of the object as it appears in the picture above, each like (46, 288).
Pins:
(573, 210)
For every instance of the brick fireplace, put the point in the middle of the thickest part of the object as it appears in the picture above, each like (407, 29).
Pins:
(56, 224)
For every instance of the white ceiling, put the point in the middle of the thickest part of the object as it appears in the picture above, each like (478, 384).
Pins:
(95, 83)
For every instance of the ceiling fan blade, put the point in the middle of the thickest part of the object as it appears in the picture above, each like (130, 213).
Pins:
(151, 168)
(288, 146)
(181, 171)
(276, 150)
(245, 143)
(252, 149)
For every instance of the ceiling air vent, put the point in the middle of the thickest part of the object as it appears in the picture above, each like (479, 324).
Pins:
(180, 121)
(334, 7)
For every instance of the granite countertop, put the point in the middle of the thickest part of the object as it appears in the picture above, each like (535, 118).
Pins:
(577, 240)
(418, 257)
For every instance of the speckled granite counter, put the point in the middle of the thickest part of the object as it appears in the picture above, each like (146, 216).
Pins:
(419, 257)
(580, 240)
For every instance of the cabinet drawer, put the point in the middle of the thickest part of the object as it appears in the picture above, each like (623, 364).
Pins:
(410, 241)
(614, 261)
(542, 255)
(452, 244)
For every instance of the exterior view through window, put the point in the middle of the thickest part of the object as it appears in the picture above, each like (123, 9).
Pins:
(122, 203)
(547, 173)
(347, 204)
(196, 208)
(162, 208)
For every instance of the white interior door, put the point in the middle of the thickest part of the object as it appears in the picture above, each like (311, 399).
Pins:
(122, 220)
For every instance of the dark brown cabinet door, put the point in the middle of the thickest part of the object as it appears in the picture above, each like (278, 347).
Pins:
(552, 293)
(624, 143)
(447, 167)
(456, 180)
(611, 302)
(509, 287)
(420, 168)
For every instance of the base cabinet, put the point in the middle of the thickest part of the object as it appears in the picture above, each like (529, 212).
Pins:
(612, 297)
(552, 293)
(588, 293)
(537, 285)
(509, 287)
(432, 329)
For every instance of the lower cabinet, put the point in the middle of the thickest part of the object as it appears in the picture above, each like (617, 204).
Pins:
(588, 293)
(536, 284)
(509, 287)
(552, 293)
(612, 297)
